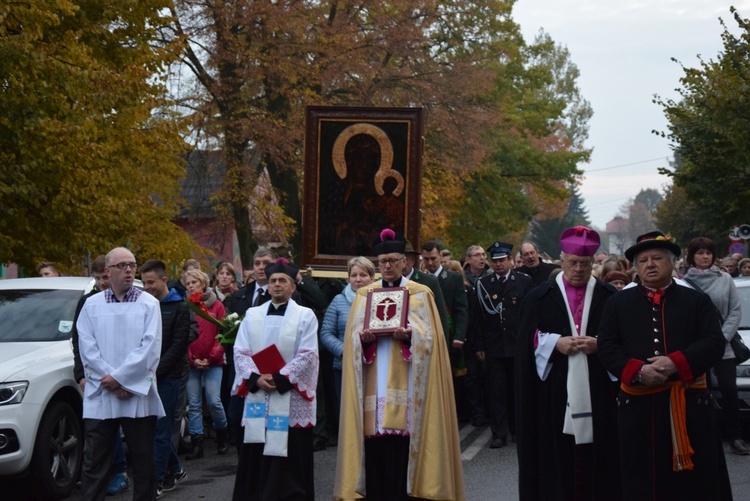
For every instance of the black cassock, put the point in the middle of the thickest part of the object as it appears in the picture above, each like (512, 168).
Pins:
(686, 326)
(551, 466)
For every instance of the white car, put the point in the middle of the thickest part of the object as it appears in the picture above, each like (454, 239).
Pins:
(743, 370)
(40, 402)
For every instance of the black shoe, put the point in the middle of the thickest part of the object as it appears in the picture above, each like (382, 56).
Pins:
(197, 448)
(168, 484)
(221, 442)
(498, 443)
(740, 448)
(319, 444)
(179, 476)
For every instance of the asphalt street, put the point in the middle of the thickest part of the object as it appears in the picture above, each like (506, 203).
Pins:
(488, 473)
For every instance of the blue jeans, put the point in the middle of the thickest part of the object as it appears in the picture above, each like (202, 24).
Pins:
(165, 454)
(211, 379)
(120, 462)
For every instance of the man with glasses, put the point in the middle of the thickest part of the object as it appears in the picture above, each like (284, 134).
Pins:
(398, 431)
(567, 417)
(476, 264)
(533, 266)
(100, 273)
(120, 341)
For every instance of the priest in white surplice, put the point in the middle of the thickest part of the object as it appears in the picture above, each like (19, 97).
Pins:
(276, 458)
(119, 336)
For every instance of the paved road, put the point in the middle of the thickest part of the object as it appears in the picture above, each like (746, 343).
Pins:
(488, 473)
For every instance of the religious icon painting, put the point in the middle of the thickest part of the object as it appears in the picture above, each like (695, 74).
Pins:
(363, 173)
(387, 309)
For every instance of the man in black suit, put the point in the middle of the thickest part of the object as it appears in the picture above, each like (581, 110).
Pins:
(533, 265)
(411, 272)
(500, 296)
(457, 307)
(454, 293)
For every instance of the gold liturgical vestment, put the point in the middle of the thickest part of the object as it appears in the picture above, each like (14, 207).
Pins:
(434, 470)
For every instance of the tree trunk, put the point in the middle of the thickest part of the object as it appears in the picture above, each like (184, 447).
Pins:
(286, 182)
(239, 186)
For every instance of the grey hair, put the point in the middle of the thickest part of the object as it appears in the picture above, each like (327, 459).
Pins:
(472, 248)
(265, 251)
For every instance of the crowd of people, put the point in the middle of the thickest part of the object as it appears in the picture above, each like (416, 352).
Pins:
(594, 364)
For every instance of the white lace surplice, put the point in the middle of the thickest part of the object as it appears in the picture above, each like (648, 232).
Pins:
(301, 370)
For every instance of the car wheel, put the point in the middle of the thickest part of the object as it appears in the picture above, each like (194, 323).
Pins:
(58, 451)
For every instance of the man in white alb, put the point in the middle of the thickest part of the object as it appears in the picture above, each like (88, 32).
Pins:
(119, 336)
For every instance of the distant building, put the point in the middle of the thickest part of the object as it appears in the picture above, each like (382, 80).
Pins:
(619, 239)
(204, 178)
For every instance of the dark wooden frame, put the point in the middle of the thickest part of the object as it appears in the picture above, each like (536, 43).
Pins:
(327, 195)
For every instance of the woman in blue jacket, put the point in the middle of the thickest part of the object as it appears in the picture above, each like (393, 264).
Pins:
(361, 272)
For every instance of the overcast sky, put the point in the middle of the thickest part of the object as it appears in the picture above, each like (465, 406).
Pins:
(623, 50)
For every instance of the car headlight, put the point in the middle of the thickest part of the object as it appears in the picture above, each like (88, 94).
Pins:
(743, 371)
(12, 393)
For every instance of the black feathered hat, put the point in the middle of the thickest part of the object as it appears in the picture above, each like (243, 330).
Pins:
(389, 242)
(652, 240)
(283, 266)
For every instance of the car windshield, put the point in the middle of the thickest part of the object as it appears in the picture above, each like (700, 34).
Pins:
(744, 293)
(37, 315)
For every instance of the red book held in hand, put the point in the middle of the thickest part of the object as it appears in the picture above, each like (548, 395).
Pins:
(269, 360)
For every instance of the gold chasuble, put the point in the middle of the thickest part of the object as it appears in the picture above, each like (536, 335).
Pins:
(434, 470)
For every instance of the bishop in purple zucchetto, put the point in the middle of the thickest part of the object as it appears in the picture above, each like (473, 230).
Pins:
(580, 241)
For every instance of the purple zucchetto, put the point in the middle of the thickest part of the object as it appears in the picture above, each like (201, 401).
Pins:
(580, 241)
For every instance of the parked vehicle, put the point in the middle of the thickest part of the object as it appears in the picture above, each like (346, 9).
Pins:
(40, 402)
(743, 369)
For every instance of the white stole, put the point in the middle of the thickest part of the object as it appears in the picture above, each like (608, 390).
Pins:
(578, 412)
(274, 430)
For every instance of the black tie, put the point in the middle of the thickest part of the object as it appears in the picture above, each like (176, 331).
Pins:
(259, 298)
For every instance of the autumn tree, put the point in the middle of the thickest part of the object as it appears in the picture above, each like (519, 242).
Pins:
(535, 148)
(545, 233)
(640, 214)
(257, 65)
(85, 164)
(709, 129)
(678, 216)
